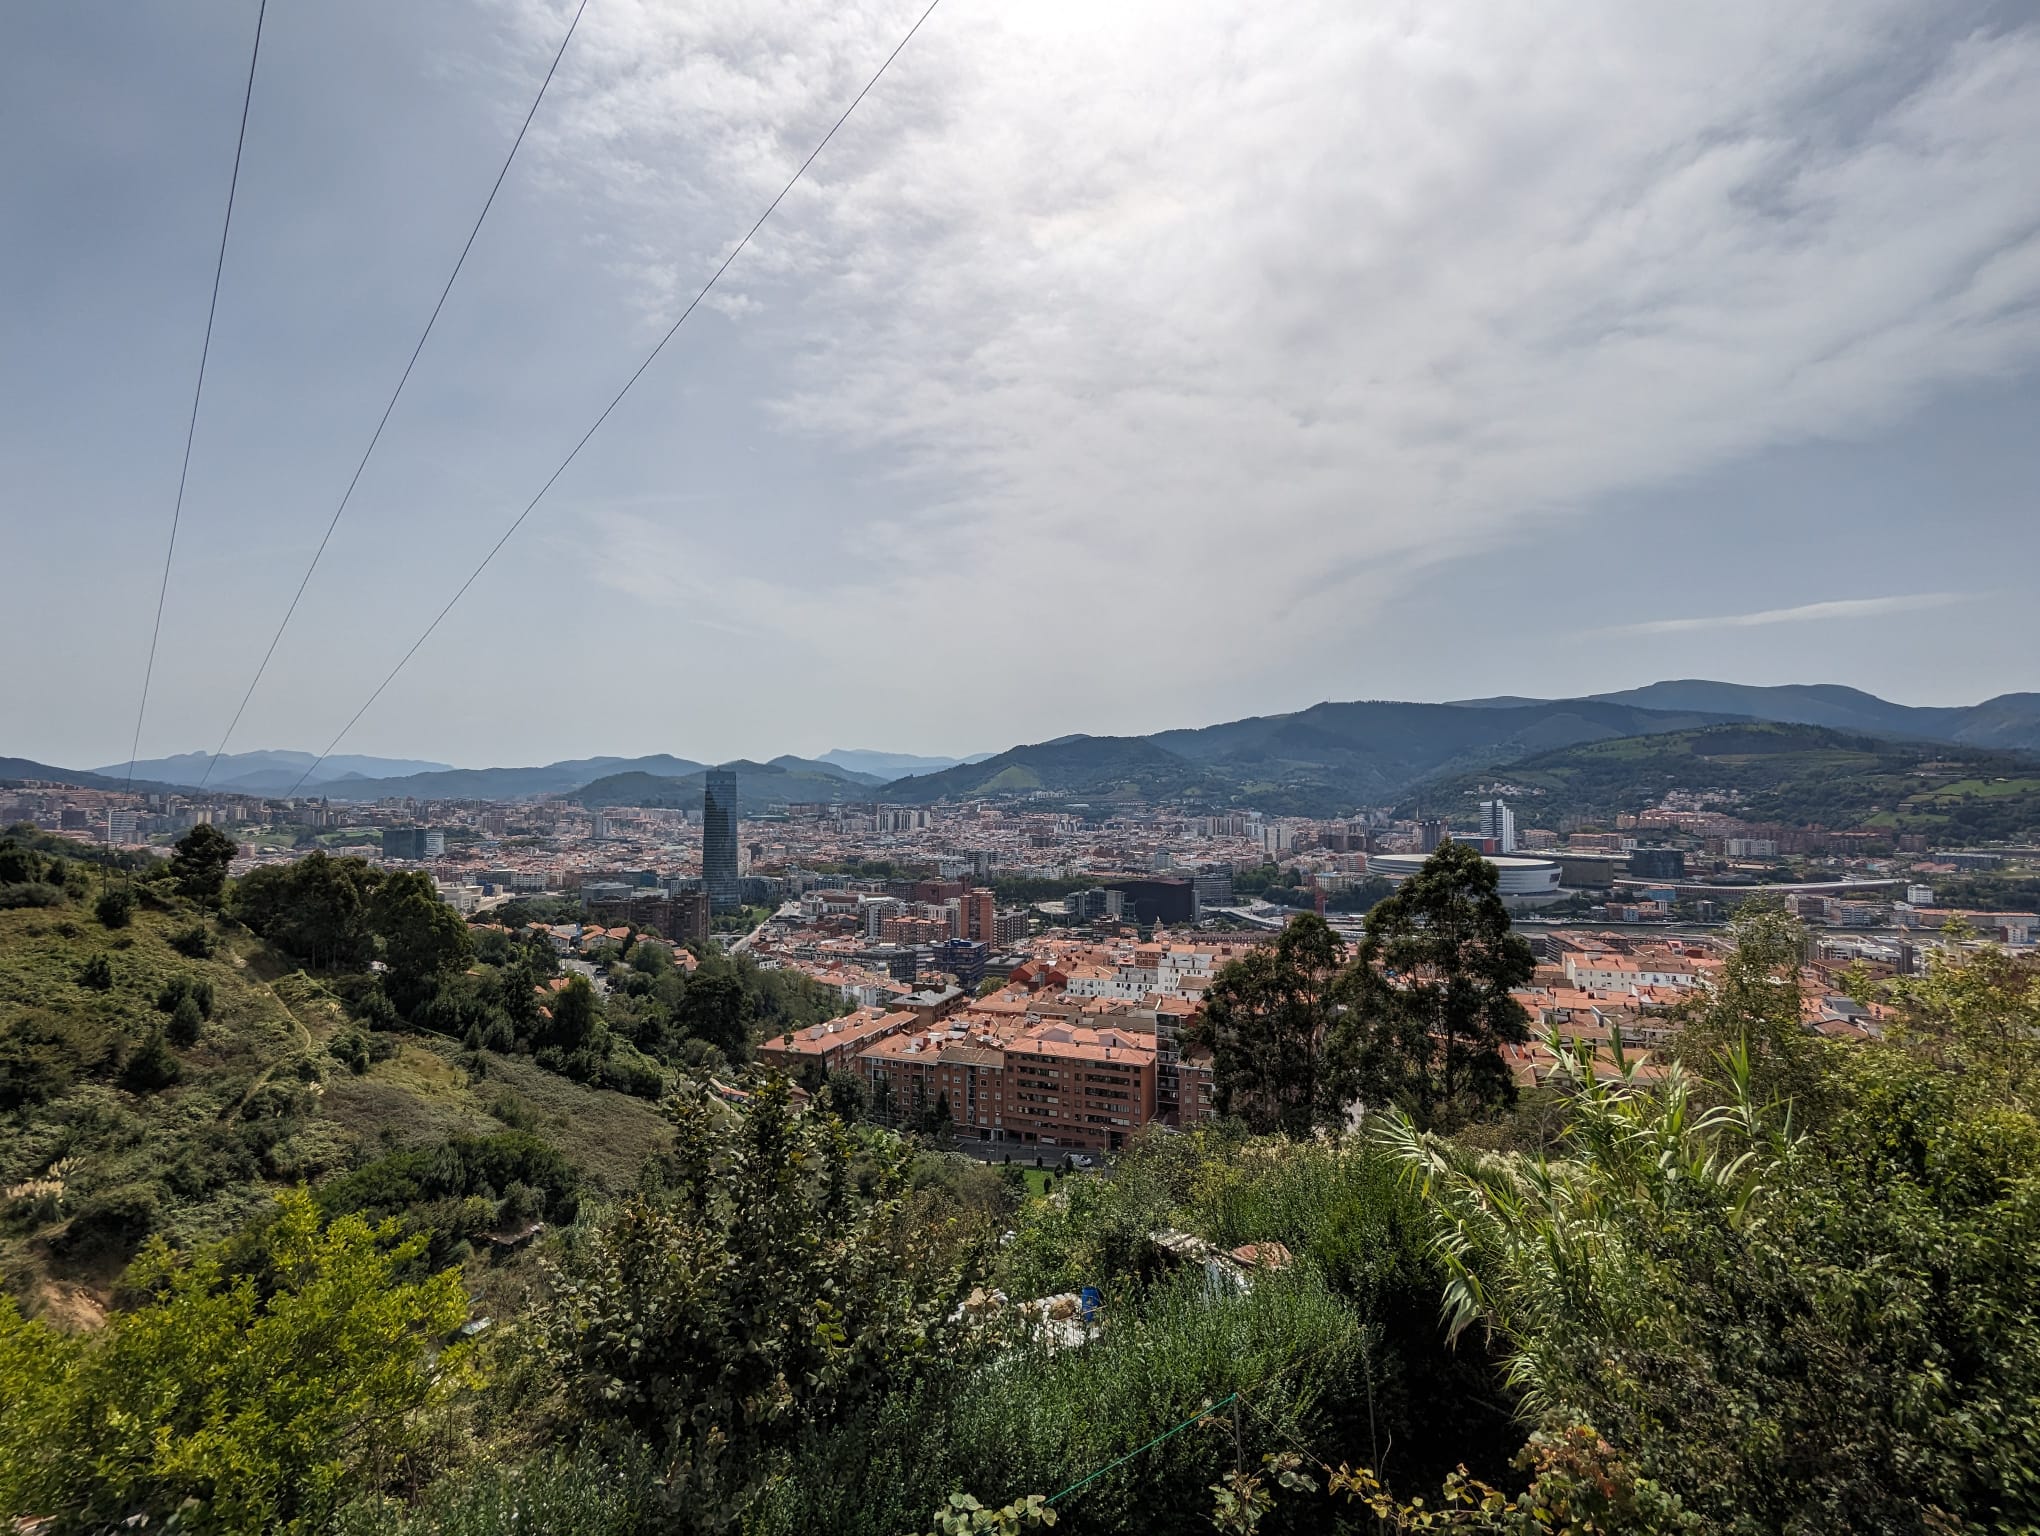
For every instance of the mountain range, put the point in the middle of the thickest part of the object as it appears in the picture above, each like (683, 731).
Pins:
(264, 773)
(2011, 720)
(1323, 760)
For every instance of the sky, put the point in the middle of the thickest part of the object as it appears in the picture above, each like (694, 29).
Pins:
(1114, 368)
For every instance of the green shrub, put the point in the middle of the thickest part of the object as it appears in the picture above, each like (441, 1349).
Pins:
(222, 1406)
(30, 893)
(198, 990)
(194, 942)
(350, 1047)
(115, 907)
(185, 1020)
(153, 1067)
(96, 973)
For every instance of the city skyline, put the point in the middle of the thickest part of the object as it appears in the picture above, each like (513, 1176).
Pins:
(1686, 399)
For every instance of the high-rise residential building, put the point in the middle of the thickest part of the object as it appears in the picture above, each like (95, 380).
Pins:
(120, 827)
(1430, 833)
(980, 915)
(1498, 823)
(720, 875)
(435, 845)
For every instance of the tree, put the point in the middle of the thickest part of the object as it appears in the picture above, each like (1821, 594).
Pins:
(575, 1014)
(155, 1066)
(96, 973)
(116, 906)
(424, 940)
(199, 863)
(754, 1300)
(1266, 1020)
(1431, 984)
(1753, 1007)
(713, 1009)
(227, 1406)
(316, 909)
(185, 1020)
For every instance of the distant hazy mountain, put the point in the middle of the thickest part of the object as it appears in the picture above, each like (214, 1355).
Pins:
(264, 773)
(17, 768)
(760, 787)
(2011, 720)
(508, 783)
(828, 769)
(885, 766)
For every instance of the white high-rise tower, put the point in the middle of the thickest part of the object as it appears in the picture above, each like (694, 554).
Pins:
(1497, 821)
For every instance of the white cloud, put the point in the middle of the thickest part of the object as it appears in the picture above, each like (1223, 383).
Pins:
(1239, 308)
(1805, 613)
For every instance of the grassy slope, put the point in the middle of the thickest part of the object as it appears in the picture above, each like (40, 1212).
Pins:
(260, 1102)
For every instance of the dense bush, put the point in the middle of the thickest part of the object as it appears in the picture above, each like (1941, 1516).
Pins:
(221, 1406)
(115, 907)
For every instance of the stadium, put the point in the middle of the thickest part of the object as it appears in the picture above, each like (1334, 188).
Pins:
(1523, 881)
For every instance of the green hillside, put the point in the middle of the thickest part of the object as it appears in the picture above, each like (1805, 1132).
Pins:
(259, 1101)
(1320, 761)
(1800, 775)
(167, 1068)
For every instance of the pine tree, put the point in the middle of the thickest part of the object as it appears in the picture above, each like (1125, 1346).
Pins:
(1431, 1005)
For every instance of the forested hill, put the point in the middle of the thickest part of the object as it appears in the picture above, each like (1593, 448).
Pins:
(1800, 775)
(1317, 762)
(173, 1053)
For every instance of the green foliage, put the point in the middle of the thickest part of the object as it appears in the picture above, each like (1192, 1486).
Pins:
(199, 863)
(1753, 1011)
(571, 1495)
(115, 907)
(229, 1406)
(1802, 775)
(1431, 1004)
(195, 942)
(154, 1067)
(185, 1020)
(185, 987)
(31, 893)
(96, 973)
(1046, 1418)
(1265, 1020)
(315, 909)
(1785, 1332)
(457, 1189)
(754, 1300)
(963, 1515)
(424, 940)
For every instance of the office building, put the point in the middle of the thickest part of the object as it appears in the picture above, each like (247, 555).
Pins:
(1498, 825)
(1088, 906)
(720, 876)
(1158, 900)
(403, 843)
(120, 827)
(1430, 833)
(964, 959)
(435, 845)
(1657, 863)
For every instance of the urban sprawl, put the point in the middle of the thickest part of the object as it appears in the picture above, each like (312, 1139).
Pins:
(1025, 977)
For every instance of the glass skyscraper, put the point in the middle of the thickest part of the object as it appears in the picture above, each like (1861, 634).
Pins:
(719, 841)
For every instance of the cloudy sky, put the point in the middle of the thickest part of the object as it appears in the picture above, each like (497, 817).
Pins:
(1116, 367)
